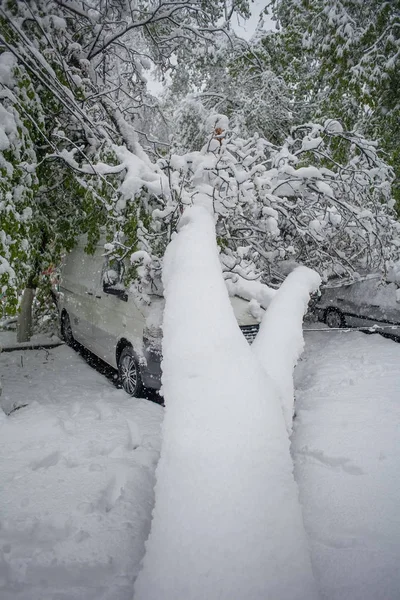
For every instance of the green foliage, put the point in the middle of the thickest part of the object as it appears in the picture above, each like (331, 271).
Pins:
(222, 242)
(72, 86)
(73, 99)
(341, 59)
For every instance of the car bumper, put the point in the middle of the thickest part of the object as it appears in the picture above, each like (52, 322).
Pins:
(151, 370)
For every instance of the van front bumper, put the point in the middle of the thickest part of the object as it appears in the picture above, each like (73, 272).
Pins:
(151, 370)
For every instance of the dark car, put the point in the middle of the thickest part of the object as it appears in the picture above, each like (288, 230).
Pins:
(368, 303)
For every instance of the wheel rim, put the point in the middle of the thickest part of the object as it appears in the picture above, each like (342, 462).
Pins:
(334, 319)
(129, 375)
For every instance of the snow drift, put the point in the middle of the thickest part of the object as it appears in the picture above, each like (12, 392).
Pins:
(227, 522)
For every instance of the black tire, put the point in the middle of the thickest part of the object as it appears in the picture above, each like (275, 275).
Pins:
(334, 318)
(66, 330)
(129, 374)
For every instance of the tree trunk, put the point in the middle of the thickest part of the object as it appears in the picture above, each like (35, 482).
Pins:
(25, 318)
(24, 327)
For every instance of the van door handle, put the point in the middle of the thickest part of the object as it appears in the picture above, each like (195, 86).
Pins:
(98, 296)
(89, 293)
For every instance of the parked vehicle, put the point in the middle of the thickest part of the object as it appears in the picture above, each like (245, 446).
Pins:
(119, 326)
(368, 303)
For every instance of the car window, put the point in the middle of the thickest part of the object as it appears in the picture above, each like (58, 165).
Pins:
(386, 296)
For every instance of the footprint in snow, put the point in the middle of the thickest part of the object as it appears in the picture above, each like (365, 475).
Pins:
(48, 461)
(112, 492)
(332, 461)
(108, 497)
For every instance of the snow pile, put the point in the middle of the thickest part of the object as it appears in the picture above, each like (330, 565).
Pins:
(77, 475)
(227, 523)
(279, 342)
(346, 450)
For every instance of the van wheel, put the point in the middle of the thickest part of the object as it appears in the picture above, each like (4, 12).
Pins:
(129, 373)
(66, 330)
(334, 318)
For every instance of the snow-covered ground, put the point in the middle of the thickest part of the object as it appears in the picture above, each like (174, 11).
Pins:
(77, 472)
(346, 445)
(77, 476)
(8, 340)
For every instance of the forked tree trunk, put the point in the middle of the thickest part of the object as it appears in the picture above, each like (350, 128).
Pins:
(24, 326)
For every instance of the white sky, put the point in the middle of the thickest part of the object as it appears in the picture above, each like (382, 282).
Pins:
(246, 28)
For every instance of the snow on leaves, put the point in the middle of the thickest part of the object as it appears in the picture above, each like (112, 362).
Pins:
(273, 205)
(74, 96)
(294, 201)
(73, 80)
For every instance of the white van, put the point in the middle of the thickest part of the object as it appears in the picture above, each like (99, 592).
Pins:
(116, 324)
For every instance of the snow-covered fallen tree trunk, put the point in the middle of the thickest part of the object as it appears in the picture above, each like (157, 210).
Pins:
(279, 342)
(227, 522)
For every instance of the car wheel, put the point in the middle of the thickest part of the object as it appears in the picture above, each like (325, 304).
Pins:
(129, 373)
(66, 330)
(334, 318)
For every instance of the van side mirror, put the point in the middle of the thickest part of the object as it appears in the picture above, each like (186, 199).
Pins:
(112, 280)
(110, 277)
